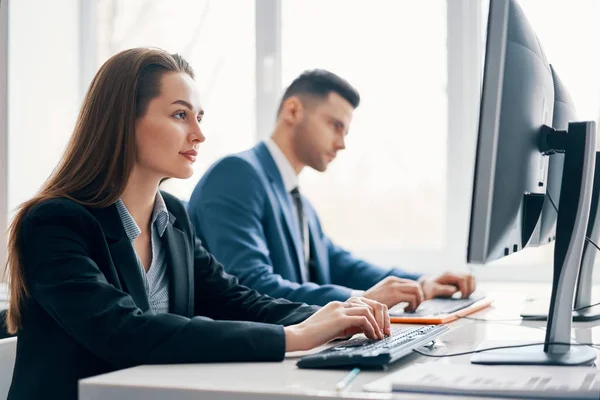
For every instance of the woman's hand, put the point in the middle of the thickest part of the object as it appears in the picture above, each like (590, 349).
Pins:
(338, 320)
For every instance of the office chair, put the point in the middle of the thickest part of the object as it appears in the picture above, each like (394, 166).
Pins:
(8, 352)
(3, 332)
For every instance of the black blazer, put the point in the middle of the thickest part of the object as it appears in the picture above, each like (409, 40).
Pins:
(88, 312)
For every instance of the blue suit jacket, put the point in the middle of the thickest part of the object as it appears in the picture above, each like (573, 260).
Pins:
(245, 218)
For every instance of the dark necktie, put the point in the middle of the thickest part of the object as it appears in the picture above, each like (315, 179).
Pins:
(303, 230)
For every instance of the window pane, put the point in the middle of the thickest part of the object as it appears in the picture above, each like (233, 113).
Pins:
(43, 91)
(568, 31)
(388, 189)
(220, 46)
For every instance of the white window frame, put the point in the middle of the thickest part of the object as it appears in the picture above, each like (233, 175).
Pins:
(4, 4)
(464, 81)
(268, 65)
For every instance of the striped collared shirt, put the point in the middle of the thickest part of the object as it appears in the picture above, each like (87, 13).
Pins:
(156, 280)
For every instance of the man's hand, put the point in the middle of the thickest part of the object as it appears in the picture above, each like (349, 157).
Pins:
(393, 290)
(447, 284)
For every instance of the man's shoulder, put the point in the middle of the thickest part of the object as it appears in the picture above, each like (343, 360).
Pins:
(240, 175)
(243, 165)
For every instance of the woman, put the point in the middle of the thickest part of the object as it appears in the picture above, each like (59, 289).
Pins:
(105, 270)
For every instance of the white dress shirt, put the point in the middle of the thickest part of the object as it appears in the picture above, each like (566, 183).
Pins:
(290, 179)
(156, 280)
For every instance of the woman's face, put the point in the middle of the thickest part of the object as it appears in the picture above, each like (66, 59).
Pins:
(168, 134)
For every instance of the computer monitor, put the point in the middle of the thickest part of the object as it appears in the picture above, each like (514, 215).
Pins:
(583, 309)
(514, 140)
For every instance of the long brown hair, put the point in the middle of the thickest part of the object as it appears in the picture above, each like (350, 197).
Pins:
(100, 155)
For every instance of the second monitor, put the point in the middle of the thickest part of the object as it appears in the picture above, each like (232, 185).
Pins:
(583, 308)
(514, 141)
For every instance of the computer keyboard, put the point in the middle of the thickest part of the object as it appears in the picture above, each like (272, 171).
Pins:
(362, 352)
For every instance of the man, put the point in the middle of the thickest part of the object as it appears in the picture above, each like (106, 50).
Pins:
(249, 213)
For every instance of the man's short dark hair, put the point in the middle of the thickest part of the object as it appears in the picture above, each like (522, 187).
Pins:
(319, 83)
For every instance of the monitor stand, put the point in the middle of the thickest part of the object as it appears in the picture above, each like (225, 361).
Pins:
(583, 308)
(579, 145)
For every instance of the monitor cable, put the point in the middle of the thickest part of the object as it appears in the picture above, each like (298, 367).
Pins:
(463, 353)
(556, 209)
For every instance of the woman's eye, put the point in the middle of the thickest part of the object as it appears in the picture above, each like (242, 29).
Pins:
(180, 115)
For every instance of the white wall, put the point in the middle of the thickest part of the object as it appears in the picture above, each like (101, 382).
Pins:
(44, 95)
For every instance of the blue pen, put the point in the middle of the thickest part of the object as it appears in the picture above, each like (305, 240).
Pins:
(344, 383)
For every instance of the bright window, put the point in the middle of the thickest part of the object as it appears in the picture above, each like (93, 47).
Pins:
(387, 190)
(217, 38)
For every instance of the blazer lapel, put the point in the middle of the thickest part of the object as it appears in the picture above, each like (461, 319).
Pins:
(179, 261)
(123, 255)
(129, 271)
(285, 204)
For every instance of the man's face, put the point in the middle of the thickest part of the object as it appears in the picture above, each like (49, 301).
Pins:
(321, 132)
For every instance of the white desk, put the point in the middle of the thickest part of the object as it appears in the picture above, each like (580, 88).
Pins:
(285, 381)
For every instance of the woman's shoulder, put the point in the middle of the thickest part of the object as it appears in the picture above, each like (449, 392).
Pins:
(61, 209)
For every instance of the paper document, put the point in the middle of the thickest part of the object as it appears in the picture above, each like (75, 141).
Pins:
(531, 382)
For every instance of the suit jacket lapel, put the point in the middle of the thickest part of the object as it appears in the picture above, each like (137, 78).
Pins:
(179, 262)
(129, 271)
(122, 254)
(285, 203)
